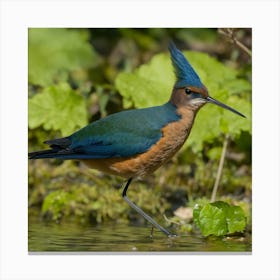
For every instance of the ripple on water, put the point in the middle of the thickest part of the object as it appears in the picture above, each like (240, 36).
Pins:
(70, 237)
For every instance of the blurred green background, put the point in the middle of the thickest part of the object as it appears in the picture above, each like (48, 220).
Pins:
(77, 76)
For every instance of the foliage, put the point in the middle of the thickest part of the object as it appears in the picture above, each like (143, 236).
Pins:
(147, 86)
(219, 218)
(57, 107)
(55, 203)
(54, 52)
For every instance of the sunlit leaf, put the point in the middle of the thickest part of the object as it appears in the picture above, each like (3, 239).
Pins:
(219, 218)
(149, 85)
(58, 107)
(236, 220)
(53, 52)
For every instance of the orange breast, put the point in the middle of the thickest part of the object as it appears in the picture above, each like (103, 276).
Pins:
(174, 136)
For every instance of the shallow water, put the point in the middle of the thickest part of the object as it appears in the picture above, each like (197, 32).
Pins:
(70, 237)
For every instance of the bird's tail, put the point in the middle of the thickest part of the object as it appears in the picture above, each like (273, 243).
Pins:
(42, 154)
(59, 149)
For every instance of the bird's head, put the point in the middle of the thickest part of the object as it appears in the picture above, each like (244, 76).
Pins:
(188, 89)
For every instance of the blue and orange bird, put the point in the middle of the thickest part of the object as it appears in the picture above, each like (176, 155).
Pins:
(134, 143)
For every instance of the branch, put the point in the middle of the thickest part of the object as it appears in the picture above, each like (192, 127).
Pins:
(229, 33)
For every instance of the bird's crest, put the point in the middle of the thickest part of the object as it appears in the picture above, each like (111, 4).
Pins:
(185, 74)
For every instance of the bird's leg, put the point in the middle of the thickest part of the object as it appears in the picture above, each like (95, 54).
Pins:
(141, 212)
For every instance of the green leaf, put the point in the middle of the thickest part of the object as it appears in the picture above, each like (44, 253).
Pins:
(236, 220)
(212, 220)
(219, 218)
(53, 52)
(58, 107)
(233, 124)
(238, 86)
(196, 210)
(151, 85)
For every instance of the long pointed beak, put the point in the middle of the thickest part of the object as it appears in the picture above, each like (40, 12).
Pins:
(214, 101)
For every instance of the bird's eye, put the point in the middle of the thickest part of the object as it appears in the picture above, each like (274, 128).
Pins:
(188, 91)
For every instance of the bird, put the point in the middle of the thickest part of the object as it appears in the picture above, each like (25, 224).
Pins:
(134, 143)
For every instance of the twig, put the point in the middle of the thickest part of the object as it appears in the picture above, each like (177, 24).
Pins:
(229, 33)
(220, 169)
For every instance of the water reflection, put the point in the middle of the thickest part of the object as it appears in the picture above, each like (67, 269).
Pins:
(70, 237)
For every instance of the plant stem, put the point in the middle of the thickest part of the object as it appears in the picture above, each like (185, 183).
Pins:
(220, 169)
